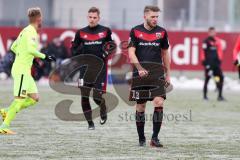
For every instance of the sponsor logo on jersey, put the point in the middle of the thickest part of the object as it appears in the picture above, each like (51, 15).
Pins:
(93, 43)
(149, 44)
(159, 35)
(140, 35)
(101, 34)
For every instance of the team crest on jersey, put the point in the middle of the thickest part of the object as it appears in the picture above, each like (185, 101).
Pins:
(159, 35)
(101, 34)
(212, 43)
(141, 35)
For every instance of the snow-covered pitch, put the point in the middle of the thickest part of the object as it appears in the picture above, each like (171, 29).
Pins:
(192, 129)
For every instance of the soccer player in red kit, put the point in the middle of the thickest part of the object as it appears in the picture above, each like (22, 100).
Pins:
(91, 40)
(236, 55)
(212, 56)
(149, 43)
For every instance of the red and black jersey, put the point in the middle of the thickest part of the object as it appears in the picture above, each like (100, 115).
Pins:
(212, 50)
(91, 40)
(149, 44)
(236, 50)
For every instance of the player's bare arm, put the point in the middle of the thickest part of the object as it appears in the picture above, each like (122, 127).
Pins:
(166, 63)
(133, 59)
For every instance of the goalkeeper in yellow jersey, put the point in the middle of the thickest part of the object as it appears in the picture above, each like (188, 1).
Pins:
(25, 89)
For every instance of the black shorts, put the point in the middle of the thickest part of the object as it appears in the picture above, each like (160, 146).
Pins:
(144, 100)
(101, 78)
(153, 85)
(216, 71)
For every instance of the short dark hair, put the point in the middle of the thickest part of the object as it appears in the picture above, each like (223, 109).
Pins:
(94, 10)
(211, 28)
(151, 8)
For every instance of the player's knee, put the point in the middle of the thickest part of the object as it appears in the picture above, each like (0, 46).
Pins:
(98, 101)
(222, 77)
(207, 78)
(140, 107)
(85, 99)
(35, 97)
(158, 101)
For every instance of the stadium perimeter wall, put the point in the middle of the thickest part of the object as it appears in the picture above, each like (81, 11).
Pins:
(185, 46)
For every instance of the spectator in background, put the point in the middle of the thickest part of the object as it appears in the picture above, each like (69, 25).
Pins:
(47, 67)
(41, 68)
(56, 48)
(6, 63)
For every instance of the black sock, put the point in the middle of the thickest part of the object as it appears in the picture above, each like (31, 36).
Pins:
(87, 109)
(205, 86)
(220, 90)
(239, 71)
(140, 122)
(220, 87)
(103, 109)
(157, 120)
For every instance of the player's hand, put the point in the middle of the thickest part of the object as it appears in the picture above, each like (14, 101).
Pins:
(204, 63)
(109, 48)
(236, 63)
(207, 66)
(167, 78)
(219, 62)
(142, 72)
(105, 54)
(50, 58)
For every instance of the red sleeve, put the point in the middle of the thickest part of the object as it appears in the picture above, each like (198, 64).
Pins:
(202, 57)
(219, 48)
(132, 42)
(236, 49)
(165, 41)
(204, 46)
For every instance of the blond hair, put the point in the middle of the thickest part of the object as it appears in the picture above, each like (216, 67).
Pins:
(33, 13)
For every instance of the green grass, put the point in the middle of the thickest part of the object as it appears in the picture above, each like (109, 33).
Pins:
(210, 130)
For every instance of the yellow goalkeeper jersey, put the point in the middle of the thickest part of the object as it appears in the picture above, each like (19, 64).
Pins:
(25, 48)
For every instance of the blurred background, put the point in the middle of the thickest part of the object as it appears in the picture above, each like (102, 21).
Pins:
(176, 14)
(186, 21)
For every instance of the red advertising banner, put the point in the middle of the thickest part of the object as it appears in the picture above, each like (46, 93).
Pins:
(185, 46)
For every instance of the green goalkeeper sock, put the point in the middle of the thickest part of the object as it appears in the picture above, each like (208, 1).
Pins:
(12, 104)
(28, 102)
(12, 111)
